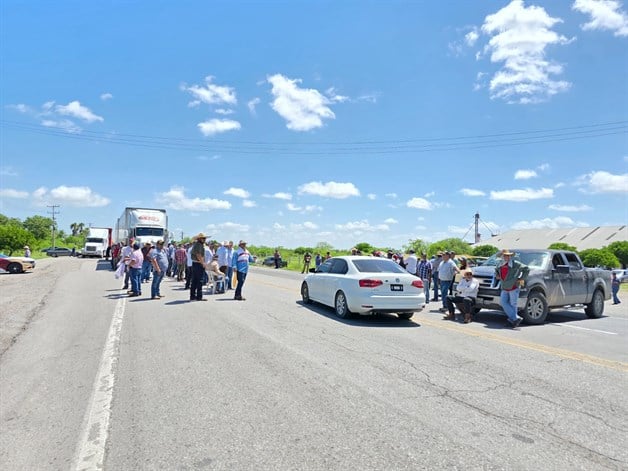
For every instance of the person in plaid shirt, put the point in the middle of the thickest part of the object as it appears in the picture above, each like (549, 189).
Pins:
(424, 271)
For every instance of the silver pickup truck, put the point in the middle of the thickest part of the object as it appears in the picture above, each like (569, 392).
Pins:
(557, 278)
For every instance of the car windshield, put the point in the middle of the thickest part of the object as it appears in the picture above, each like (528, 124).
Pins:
(531, 259)
(94, 239)
(377, 265)
(149, 231)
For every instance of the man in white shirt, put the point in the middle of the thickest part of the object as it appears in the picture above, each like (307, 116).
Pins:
(464, 297)
(411, 262)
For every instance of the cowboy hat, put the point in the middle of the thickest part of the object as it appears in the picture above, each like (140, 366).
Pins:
(507, 252)
(200, 235)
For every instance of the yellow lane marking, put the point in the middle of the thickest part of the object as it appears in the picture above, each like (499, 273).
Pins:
(448, 325)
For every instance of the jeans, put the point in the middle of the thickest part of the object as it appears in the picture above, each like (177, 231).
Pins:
(444, 291)
(426, 289)
(229, 275)
(154, 288)
(435, 284)
(146, 267)
(135, 274)
(615, 290)
(241, 278)
(464, 304)
(509, 301)
(196, 286)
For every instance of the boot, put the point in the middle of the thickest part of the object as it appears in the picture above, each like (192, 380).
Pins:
(450, 317)
(467, 318)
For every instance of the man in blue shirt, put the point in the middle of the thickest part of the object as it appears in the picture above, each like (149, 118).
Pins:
(241, 260)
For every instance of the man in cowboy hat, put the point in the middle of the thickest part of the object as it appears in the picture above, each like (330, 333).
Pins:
(512, 274)
(197, 254)
(241, 260)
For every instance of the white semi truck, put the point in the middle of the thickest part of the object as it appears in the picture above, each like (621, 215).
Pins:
(142, 225)
(97, 242)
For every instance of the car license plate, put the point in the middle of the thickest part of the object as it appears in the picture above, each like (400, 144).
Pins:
(396, 287)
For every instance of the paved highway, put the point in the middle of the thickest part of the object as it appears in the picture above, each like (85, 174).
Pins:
(97, 380)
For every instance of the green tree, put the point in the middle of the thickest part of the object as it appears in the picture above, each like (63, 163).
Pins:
(562, 246)
(599, 258)
(39, 226)
(302, 250)
(485, 250)
(77, 228)
(452, 244)
(418, 245)
(7, 220)
(365, 248)
(323, 247)
(620, 250)
(14, 237)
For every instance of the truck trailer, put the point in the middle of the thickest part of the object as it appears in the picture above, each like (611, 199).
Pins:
(97, 242)
(142, 225)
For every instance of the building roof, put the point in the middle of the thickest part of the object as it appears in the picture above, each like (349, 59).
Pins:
(579, 237)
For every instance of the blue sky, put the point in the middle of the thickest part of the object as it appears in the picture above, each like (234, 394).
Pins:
(292, 123)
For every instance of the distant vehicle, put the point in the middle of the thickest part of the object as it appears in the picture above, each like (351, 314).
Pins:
(58, 252)
(364, 285)
(622, 275)
(15, 264)
(97, 242)
(270, 262)
(143, 225)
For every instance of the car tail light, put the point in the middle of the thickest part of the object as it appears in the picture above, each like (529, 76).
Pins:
(417, 283)
(370, 283)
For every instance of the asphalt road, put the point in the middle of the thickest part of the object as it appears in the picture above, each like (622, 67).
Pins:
(98, 380)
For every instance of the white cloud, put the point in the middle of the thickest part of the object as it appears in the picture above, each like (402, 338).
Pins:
(20, 107)
(544, 167)
(293, 207)
(226, 227)
(216, 126)
(391, 195)
(106, 96)
(547, 223)
(472, 192)
(526, 194)
(605, 15)
(310, 208)
(471, 37)
(64, 124)
(278, 227)
(419, 203)
(329, 189)
(604, 182)
(567, 208)
(77, 196)
(519, 38)
(361, 226)
(303, 108)
(371, 196)
(223, 111)
(76, 110)
(279, 196)
(10, 193)
(525, 174)
(335, 97)
(252, 104)
(211, 94)
(458, 230)
(238, 192)
(175, 198)
(249, 204)
(391, 221)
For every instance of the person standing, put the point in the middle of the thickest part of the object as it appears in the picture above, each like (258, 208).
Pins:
(135, 270)
(411, 262)
(307, 258)
(277, 259)
(241, 260)
(435, 262)
(125, 255)
(146, 265)
(424, 271)
(197, 254)
(159, 259)
(446, 272)
(318, 260)
(27, 251)
(615, 288)
(512, 275)
(180, 260)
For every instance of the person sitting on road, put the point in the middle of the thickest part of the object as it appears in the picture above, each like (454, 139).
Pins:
(464, 297)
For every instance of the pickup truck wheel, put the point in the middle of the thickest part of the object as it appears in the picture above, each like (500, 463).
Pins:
(595, 309)
(536, 309)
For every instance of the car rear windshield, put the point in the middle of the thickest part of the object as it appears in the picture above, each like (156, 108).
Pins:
(377, 265)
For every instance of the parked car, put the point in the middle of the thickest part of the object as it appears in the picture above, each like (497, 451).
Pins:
(364, 285)
(15, 264)
(270, 262)
(57, 252)
(622, 275)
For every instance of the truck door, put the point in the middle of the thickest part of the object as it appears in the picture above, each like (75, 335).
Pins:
(557, 283)
(577, 288)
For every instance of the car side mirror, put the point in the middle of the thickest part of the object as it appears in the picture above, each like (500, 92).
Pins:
(561, 269)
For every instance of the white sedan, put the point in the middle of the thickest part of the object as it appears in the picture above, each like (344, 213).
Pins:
(364, 285)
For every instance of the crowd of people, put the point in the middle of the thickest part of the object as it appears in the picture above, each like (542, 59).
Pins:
(198, 263)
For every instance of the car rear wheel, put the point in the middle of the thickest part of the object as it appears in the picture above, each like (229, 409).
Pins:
(405, 315)
(536, 309)
(14, 268)
(305, 293)
(595, 309)
(342, 308)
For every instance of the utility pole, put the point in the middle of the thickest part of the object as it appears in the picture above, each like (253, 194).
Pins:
(477, 229)
(54, 212)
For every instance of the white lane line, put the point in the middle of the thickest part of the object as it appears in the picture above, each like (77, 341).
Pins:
(90, 451)
(584, 328)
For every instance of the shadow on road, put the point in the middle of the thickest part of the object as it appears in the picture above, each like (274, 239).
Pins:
(378, 320)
